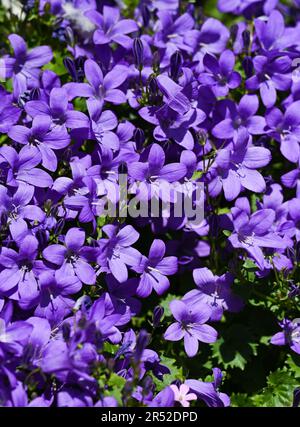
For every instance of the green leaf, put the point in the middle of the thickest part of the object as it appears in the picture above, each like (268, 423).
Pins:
(110, 348)
(176, 373)
(235, 347)
(293, 364)
(116, 385)
(279, 390)
(165, 303)
(249, 264)
(57, 64)
(241, 400)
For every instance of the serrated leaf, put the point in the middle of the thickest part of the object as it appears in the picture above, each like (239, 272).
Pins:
(176, 373)
(241, 400)
(235, 348)
(293, 364)
(115, 384)
(279, 390)
(165, 303)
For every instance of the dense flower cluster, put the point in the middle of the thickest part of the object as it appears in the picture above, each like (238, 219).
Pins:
(171, 98)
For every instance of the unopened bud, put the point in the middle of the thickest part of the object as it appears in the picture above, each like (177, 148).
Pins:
(139, 137)
(141, 342)
(248, 66)
(246, 39)
(138, 53)
(158, 313)
(175, 65)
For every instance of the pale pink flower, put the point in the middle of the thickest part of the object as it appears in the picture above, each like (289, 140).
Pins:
(181, 394)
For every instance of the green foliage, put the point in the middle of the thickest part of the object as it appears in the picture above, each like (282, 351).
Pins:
(277, 393)
(176, 373)
(235, 348)
(116, 385)
(165, 303)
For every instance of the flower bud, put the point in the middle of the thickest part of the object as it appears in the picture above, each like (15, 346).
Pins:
(158, 313)
(175, 65)
(69, 35)
(156, 61)
(202, 136)
(145, 15)
(138, 53)
(153, 90)
(246, 39)
(79, 64)
(42, 236)
(70, 67)
(233, 32)
(139, 137)
(296, 399)
(248, 66)
(141, 342)
(66, 331)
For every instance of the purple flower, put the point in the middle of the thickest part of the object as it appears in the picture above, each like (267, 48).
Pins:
(101, 126)
(270, 76)
(292, 179)
(241, 117)
(214, 291)
(272, 34)
(69, 360)
(111, 28)
(19, 270)
(155, 176)
(255, 233)
(20, 167)
(294, 213)
(72, 398)
(209, 391)
(41, 137)
(170, 35)
(9, 113)
(54, 302)
(73, 258)
(289, 336)
(14, 336)
(86, 201)
(105, 321)
(176, 116)
(107, 402)
(236, 168)
(164, 399)
(24, 67)
(190, 326)
(116, 252)
(58, 110)
(247, 7)
(219, 74)
(121, 298)
(211, 38)
(17, 207)
(285, 128)
(154, 270)
(100, 88)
